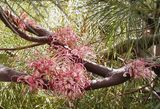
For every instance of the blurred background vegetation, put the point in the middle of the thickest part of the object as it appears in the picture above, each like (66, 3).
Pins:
(101, 24)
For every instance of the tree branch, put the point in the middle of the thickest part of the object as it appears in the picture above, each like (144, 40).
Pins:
(21, 48)
(115, 79)
(98, 69)
(36, 29)
(10, 75)
(16, 30)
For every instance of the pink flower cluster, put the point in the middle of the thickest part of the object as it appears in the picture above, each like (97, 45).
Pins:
(66, 36)
(34, 82)
(70, 82)
(138, 69)
(82, 51)
(65, 75)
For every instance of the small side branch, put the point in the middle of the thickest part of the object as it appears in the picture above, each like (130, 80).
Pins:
(21, 48)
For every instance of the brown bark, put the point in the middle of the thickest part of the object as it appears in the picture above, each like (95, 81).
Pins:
(9, 75)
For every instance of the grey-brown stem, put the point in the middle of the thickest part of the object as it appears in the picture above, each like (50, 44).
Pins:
(9, 75)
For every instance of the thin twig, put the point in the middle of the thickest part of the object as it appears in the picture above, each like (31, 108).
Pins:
(138, 89)
(21, 48)
(134, 90)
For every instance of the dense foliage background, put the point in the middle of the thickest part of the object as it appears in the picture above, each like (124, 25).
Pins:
(110, 27)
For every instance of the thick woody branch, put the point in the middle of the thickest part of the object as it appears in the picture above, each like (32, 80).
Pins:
(16, 30)
(118, 76)
(36, 29)
(10, 75)
(98, 69)
(115, 79)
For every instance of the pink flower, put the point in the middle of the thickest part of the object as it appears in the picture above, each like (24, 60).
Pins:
(82, 51)
(70, 83)
(65, 76)
(65, 36)
(42, 65)
(138, 69)
(33, 81)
